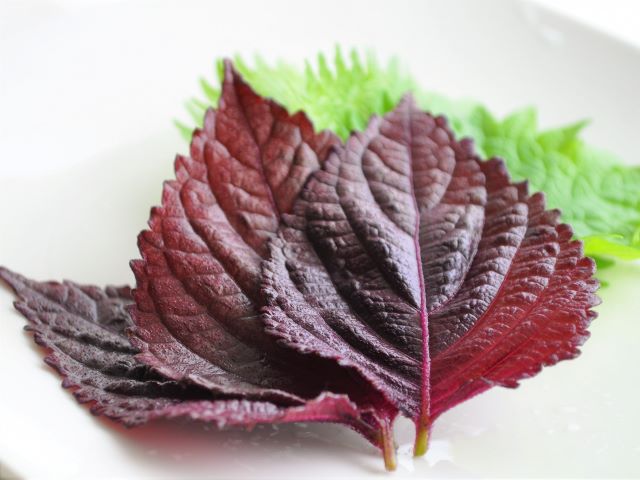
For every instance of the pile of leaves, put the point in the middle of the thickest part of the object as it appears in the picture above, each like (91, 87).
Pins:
(290, 275)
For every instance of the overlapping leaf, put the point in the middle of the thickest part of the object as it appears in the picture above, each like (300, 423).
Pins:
(198, 283)
(408, 276)
(599, 196)
(83, 330)
(426, 269)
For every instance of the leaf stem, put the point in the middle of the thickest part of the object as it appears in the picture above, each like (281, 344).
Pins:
(388, 446)
(422, 439)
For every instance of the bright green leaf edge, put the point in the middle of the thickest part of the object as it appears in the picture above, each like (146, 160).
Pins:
(598, 195)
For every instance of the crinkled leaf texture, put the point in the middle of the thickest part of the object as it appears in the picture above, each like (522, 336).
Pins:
(198, 283)
(83, 328)
(598, 195)
(426, 269)
(408, 276)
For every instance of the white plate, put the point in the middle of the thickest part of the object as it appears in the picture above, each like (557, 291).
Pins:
(88, 95)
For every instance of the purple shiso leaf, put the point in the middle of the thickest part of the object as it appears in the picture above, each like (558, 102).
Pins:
(402, 259)
(83, 329)
(196, 311)
(408, 276)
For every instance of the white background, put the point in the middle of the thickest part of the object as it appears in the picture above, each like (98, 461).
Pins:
(87, 94)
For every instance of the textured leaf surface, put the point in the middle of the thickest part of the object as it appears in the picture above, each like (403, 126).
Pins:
(426, 269)
(83, 329)
(198, 280)
(525, 303)
(348, 267)
(198, 283)
(599, 196)
(409, 275)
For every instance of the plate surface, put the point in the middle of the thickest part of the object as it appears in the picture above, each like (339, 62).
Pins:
(88, 96)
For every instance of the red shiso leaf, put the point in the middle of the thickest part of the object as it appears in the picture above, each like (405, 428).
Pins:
(195, 310)
(539, 317)
(345, 279)
(425, 270)
(198, 283)
(83, 329)
(408, 276)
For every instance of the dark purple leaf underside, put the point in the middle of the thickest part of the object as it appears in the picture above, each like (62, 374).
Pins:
(83, 329)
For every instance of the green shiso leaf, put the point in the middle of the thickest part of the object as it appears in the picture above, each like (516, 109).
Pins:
(598, 196)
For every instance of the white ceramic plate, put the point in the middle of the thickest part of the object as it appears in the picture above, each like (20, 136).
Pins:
(88, 95)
